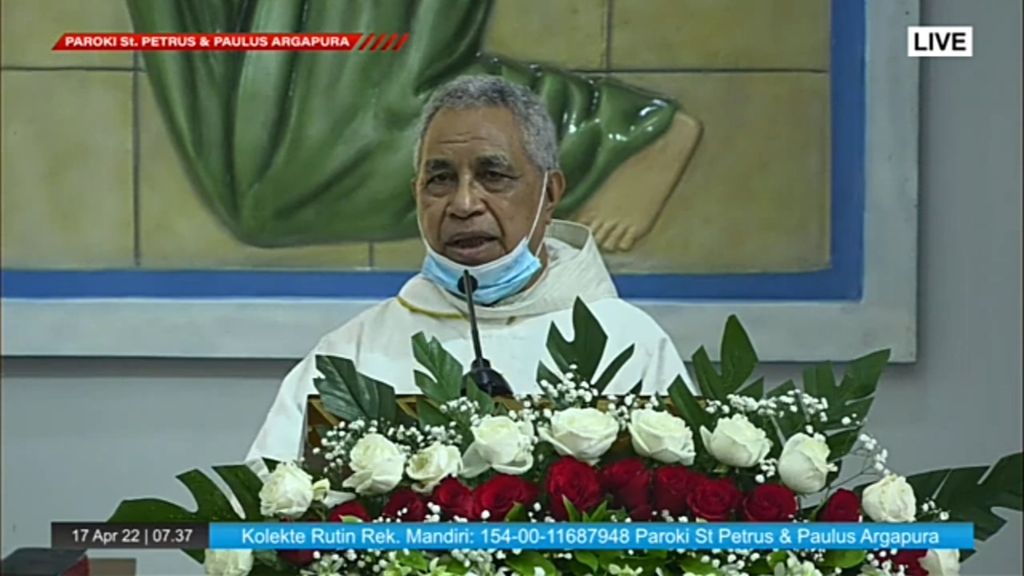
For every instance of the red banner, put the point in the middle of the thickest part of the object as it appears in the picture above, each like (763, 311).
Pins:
(231, 42)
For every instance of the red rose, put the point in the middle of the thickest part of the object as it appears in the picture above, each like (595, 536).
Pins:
(910, 560)
(672, 487)
(843, 506)
(405, 505)
(714, 499)
(770, 503)
(629, 483)
(615, 477)
(352, 508)
(300, 558)
(454, 498)
(572, 479)
(499, 494)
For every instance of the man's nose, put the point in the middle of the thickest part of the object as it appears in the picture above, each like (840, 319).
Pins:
(467, 201)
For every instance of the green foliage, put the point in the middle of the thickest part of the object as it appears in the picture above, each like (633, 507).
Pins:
(600, 514)
(708, 379)
(693, 565)
(613, 368)
(738, 360)
(350, 395)
(268, 563)
(738, 356)
(413, 559)
(753, 390)
(517, 513)
(545, 374)
(212, 505)
(445, 380)
(788, 423)
(570, 510)
(853, 396)
(687, 406)
(760, 567)
(970, 494)
(844, 558)
(429, 414)
(525, 562)
(245, 485)
(483, 400)
(584, 351)
(587, 559)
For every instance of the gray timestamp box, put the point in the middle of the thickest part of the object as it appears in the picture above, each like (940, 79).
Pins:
(102, 535)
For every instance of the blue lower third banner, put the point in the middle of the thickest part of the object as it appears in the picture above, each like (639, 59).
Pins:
(597, 536)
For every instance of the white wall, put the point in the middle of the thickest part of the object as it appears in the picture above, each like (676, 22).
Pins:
(80, 435)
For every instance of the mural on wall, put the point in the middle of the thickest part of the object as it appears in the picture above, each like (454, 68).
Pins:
(695, 139)
(153, 202)
(294, 149)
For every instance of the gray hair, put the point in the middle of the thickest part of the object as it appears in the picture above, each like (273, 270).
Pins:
(465, 92)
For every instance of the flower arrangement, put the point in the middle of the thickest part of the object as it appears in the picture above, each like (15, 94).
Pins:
(737, 452)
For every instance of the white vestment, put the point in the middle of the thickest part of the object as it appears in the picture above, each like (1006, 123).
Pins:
(513, 335)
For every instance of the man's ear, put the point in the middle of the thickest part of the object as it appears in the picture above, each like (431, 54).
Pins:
(554, 192)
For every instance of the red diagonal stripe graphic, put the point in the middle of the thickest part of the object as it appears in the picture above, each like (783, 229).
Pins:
(401, 42)
(390, 41)
(380, 40)
(366, 42)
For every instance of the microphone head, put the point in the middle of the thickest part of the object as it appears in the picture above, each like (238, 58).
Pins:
(467, 278)
(488, 380)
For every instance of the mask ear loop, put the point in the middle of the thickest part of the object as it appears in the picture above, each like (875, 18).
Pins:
(540, 208)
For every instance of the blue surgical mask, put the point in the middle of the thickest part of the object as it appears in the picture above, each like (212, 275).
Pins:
(497, 279)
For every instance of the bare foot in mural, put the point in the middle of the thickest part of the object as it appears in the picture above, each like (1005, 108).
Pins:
(627, 205)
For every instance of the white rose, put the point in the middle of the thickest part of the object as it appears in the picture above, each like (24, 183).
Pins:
(376, 465)
(433, 464)
(891, 499)
(736, 442)
(228, 562)
(803, 465)
(584, 433)
(941, 562)
(499, 443)
(661, 436)
(287, 492)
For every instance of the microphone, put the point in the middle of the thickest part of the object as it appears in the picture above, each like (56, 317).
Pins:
(487, 379)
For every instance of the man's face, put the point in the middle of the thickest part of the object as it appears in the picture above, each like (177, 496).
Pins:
(477, 191)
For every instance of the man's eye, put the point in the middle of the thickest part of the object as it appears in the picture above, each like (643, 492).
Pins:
(494, 175)
(442, 178)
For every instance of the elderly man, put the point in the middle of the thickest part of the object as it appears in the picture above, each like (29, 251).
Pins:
(486, 188)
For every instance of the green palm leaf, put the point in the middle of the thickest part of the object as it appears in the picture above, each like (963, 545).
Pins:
(351, 395)
(212, 505)
(971, 494)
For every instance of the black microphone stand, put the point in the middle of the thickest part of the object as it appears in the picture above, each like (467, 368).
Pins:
(487, 379)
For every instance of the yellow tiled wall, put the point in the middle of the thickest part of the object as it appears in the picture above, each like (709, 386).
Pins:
(90, 179)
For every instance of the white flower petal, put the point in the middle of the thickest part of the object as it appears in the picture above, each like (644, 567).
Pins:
(473, 464)
(336, 498)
